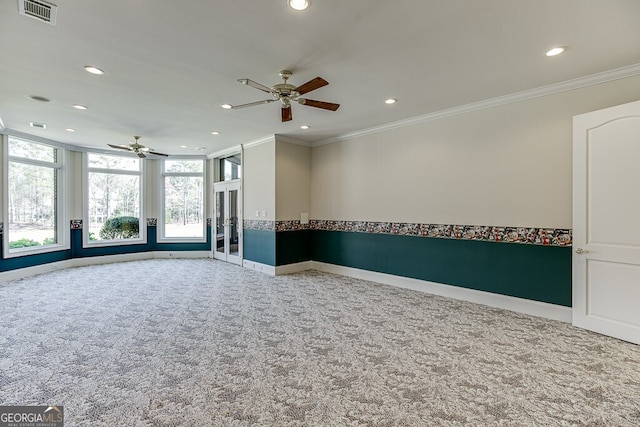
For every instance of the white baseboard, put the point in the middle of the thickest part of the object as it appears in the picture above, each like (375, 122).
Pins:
(182, 254)
(519, 305)
(294, 268)
(21, 273)
(262, 268)
(277, 271)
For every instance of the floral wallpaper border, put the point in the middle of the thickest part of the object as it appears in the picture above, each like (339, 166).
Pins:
(259, 224)
(530, 235)
(294, 225)
(526, 235)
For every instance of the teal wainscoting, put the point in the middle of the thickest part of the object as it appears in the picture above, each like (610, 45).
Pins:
(535, 272)
(32, 260)
(77, 251)
(293, 246)
(259, 246)
(152, 236)
(151, 245)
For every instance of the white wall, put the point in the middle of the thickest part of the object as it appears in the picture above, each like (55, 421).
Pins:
(259, 189)
(3, 143)
(293, 180)
(509, 165)
(152, 189)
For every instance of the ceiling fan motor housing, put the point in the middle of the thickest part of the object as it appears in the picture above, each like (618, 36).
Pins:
(285, 92)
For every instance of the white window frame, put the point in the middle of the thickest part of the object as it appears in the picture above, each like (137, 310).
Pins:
(161, 235)
(62, 221)
(142, 222)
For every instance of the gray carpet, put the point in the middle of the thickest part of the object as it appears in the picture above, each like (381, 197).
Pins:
(204, 343)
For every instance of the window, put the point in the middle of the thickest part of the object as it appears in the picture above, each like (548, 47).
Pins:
(230, 168)
(34, 214)
(114, 200)
(183, 200)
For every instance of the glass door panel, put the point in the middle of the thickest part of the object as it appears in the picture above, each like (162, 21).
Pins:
(228, 222)
(234, 232)
(219, 225)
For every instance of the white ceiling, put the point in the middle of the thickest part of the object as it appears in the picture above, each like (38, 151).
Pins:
(169, 64)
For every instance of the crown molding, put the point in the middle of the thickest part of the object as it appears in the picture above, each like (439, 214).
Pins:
(226, 152)
(289, 140)
(264, 140)
(239, 148)
(567, 85)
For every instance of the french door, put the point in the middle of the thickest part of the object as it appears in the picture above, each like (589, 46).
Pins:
(227, 239)
(606, 211)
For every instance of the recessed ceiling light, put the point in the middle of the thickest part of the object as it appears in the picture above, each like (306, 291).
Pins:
(215, 132)
(79, 107)
(555, 51)
(299, 4)
(39, 98)
(93, 70)
(304, 127)
(390, 101)
(183, 146)
(70, 129)
(226, 106)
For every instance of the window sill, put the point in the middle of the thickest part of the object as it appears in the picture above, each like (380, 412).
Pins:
(34, 250)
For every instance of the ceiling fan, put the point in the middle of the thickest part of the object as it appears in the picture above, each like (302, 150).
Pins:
(287, 93)
(137, 148)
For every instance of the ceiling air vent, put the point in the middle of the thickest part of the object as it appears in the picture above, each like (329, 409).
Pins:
(37, 125)
(39, 9)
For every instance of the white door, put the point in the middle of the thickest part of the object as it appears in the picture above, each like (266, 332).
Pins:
(227, 230)
(606, 221)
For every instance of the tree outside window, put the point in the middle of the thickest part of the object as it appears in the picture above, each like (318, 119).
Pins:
(33, 177)
(183, 196)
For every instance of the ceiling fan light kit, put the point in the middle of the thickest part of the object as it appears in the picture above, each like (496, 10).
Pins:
(286, 93)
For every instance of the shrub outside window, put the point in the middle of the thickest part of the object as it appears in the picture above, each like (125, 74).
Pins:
(114, 199)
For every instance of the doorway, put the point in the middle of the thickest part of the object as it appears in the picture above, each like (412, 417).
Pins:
(606, 207)
(227, 230)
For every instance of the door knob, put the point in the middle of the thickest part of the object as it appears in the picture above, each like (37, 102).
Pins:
(581, 251)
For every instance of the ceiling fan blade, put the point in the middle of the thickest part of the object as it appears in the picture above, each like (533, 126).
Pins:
(251, 104)
(256, 85)
(120, 147)
(157, 154)
(313, 84)
(286, 113)
(319, 104)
